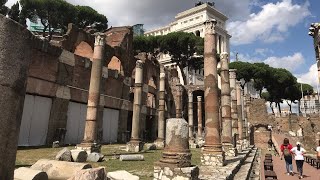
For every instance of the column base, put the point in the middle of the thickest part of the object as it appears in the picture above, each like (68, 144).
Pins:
(89, 147)
(171, 173)
(229, 150)
(134, 146)
(213, 159)
(159, 143)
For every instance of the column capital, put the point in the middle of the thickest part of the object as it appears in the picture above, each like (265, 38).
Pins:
(210, 26)
(233, 73)
(199, 98)
(224, 61)
(99, 39)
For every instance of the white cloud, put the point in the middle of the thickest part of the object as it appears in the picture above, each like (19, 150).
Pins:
(263, 51)
(309, 77)
(270, 24)
(156, 13)
(290, 63)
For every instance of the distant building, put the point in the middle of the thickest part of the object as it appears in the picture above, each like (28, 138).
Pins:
(192, 21)
(309, 104)
(138, 30)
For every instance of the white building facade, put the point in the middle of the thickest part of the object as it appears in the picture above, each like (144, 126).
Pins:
(192, 21)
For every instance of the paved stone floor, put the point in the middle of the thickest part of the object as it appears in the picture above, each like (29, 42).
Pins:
(310, 173)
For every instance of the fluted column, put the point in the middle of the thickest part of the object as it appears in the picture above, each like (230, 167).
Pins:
(234, 116)
(90, 133)
(212, 154)
(199, 105)
(190, 115)
(135, 144)
(161, 109)
(179, 101)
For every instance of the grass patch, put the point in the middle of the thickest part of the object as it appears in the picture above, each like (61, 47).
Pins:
(143, 169)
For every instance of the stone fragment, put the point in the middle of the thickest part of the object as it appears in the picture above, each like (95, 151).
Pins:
(59, 169)
(121, 175)
(24, 173)
(132, 157)
(200, 143)
(151, 146)
(90, 174)
(64, 155)
(79, 155)
(55, 144)
(95, 157)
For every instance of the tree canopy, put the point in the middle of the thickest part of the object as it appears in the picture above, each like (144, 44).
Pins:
(3, 9)
(279, 83)
(185, 49)
(14, 12)
(57, 14)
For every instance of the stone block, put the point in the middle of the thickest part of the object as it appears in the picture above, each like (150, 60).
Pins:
(121, 175)
(152, 146)
(59, 169)
(132, 157)
(64, 155)
(95, 157)
(159, 144)
(79, 155)
(171, 173)
(24, 173)
(217, 159)
(134, 146)
(90, 174)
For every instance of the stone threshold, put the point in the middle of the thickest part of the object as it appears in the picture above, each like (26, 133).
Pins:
(245, 170)
(228, 171)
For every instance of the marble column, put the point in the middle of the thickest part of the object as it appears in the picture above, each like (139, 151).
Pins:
(199, 103)
(90, 132)
(234, 116)
(228, 147)
(212, 154)
(179, 101)
(190, 116)
(15, 57)
(135, 144)
(160, 140)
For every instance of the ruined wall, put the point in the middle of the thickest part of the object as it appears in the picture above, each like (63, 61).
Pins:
(258, 112)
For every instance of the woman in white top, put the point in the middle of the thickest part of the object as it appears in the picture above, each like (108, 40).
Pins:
(298, 153)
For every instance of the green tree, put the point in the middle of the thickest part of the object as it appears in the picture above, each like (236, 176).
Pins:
(292, 95)
(3, 9)
(261, 76)
(245, 71)
(306, 89)
(87, 16)
(267, 97)
(14, 12)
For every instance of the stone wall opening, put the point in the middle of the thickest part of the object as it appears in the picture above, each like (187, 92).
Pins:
(259, 135)
(115, 64)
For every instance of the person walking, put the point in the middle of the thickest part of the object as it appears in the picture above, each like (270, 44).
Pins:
(318, 150)
(298, 153)
(286, 154)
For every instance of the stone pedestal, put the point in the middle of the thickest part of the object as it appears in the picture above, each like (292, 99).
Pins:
(176, 158)
(230, 150)
(134, 146)
(212, 154)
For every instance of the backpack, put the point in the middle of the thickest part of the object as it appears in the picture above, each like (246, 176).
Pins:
(286, 151)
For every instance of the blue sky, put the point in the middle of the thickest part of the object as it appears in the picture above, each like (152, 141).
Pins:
(270, 31)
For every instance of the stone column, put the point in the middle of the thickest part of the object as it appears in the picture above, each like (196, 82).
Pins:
(135, 144)
(190, 117)
(228, 147)
(179, 101)
(160, 141)
(199, 103)
(239, 115)
(246, 112)
(234, 115)
(212, 154)
(176, 157)
(15, 57)
(90, 132)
